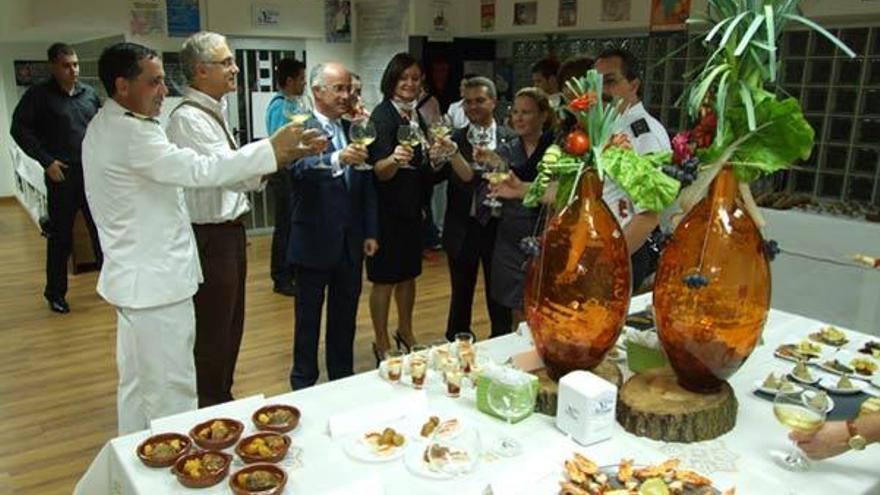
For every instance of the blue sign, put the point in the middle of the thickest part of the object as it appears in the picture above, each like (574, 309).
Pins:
(183, 17)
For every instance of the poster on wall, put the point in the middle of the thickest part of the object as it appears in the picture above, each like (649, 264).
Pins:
(337, 21)
(439, 21)
(266, 16)
(669, 15)
(146, 18)
(183, 17)
(525, 13)
(487, 15)
(28, 72)
(615, 10)
(381, 31)
(568, 13)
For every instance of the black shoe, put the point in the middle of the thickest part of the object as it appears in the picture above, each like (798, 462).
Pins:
(58, 305)
(288, 289)
(401, 344)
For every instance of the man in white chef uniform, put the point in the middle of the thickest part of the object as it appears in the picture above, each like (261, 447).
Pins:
(133, 181)
(621, 80)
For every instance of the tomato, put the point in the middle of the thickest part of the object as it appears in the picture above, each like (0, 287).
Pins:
(577, 142)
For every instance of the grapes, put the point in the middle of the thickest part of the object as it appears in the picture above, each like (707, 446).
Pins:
(771, 249)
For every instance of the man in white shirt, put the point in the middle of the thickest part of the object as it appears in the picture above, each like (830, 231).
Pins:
(217, 214)
(621, 81)
(455, 112)
(133, 180)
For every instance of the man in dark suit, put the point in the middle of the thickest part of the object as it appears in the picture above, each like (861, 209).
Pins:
(49, 124)
(333, 224)
(469, 227)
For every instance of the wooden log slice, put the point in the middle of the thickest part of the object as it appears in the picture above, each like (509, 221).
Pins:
(549, 390)
(652, 404)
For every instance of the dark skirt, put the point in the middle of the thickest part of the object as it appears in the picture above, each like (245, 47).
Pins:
(509, 261)
(399, 257)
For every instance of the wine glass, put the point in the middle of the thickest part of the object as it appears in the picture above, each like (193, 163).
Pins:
(498, 173)
(802, 411)
(296, 111)
(408, 135)
(479, 137)
(510, 396)
(315, 124)
(362, 133)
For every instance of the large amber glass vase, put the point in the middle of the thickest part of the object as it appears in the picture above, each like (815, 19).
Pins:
(578, 288)
(712, 290)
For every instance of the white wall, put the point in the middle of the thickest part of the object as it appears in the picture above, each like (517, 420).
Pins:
(89, 19)
(9, 95)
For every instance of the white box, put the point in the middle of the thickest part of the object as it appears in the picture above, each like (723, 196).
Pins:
(586, 407)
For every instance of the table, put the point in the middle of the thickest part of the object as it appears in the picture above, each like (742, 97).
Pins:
(741, 458)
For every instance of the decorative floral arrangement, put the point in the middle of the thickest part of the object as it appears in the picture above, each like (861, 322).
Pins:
(740, 122)
(593, 143)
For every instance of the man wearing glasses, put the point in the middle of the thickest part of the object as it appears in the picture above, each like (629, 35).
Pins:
(217, 214)
(333, 226)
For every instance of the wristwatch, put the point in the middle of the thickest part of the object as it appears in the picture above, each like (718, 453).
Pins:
(856, 441)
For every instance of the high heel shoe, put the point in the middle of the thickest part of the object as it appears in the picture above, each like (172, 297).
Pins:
(377, 355)
(401, 344)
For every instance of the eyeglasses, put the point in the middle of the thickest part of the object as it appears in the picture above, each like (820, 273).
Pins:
(338, 88)
(226, 62)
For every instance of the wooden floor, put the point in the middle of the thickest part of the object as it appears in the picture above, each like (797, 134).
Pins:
(58, 372)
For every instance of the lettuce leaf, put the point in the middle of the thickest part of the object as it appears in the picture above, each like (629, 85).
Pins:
(641, 177)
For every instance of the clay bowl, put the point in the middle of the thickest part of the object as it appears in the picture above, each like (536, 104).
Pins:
(240, 449)
(235, 429)
(277, 428)
(238, 487)
(209, 478)
(153, 461)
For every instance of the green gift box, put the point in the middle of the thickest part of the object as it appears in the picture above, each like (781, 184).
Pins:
(641, 358)
(483, 401)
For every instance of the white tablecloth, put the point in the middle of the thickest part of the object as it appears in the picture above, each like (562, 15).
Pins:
(742, 458)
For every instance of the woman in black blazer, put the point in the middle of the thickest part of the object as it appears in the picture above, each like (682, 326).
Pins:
(403, 182)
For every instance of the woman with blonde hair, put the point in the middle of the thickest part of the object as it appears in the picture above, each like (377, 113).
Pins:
(533, 119)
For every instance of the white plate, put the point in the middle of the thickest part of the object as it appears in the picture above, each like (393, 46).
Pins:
(830, 405)
(416, 464)
(805, 382)
(846, 357)
(759, 385)
(830, 384)
(360, 450)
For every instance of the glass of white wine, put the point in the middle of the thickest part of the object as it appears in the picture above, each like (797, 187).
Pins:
(509, 395)
(479, 137)
(362, 133)
(802, 411)
(497, 173)
(297, 113)
(408, 135)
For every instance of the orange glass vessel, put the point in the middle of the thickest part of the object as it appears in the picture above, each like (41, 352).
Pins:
(712, 290)
(578, 289)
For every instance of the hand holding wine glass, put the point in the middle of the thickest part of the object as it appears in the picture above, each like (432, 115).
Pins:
(408, 137)
(362, 133)
(510, 188)
(802, 411)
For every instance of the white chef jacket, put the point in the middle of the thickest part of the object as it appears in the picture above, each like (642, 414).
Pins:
(647, 135)
(456, 115)
(190, 127)
(133, 182)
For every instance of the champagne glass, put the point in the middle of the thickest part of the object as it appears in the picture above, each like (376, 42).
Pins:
(296, 111)
(510, 396)
(479, 137)
(362, 133)
(440, 128)
(498, 173)
(315, 124)
(802, 411)
(408, 135)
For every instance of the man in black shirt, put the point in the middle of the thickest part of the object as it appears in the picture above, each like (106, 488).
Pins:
(49, 124)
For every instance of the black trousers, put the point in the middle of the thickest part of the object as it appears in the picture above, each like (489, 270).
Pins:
(644, 260)
(64, 200)
(342, 286)
(219, 308)
(479, 243)
(281, 272)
